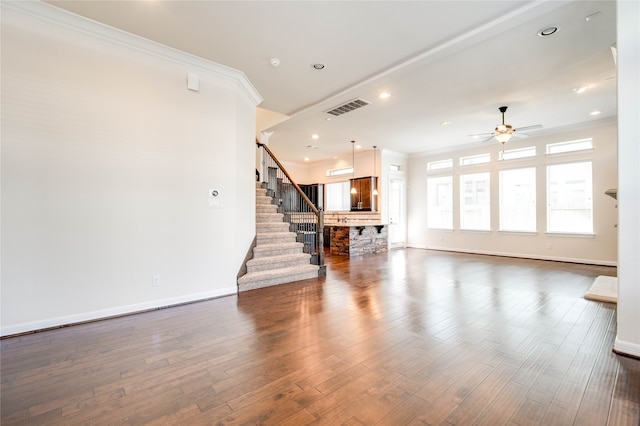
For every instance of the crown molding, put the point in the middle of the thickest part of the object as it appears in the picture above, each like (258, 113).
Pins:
(50, 13)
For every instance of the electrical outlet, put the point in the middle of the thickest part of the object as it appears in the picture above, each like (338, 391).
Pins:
(549, 246)
(155, 280)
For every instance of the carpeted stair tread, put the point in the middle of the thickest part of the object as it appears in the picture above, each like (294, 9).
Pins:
(279, 261)
(271, 277)
(266, 236)
(275, 249)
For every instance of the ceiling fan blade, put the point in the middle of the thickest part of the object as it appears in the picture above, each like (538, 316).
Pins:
(519, 135)
(489, 138)
(527, 128)
(481, 135)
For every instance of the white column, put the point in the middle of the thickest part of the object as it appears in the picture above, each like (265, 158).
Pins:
(628, 40)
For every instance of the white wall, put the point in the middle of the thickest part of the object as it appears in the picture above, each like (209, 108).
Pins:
(628, 314)
(107, 163)
(599, 249)
(298, 172)
(317, 171)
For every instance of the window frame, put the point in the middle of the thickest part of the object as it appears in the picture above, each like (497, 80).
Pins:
(429, 200)
(347, 198)
(487, 206)
(565, 232)
(501, 204)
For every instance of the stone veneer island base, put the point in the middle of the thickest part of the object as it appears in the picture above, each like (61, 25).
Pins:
(351, 239)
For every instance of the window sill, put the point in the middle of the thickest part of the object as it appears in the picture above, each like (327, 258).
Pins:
(526, 233)
(476, 231)
(571, 235)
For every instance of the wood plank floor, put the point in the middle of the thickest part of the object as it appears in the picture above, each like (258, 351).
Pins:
(406, 337)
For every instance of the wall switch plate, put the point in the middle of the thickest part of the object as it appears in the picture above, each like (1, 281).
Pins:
(193, 82)
(155, 280)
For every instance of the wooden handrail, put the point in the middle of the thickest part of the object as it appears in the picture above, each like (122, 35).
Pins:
(295, 185)
(318, 213)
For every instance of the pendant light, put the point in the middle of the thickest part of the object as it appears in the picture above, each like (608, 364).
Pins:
(375, 180)
(353, 167)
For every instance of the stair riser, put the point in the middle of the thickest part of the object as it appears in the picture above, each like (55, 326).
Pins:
(276, 265)
(266, 208)
(257, 252)
(269, 217)
(276, 281)
(272, 227)
(275, 239)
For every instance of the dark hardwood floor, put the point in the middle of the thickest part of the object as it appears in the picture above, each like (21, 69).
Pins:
(400, 338)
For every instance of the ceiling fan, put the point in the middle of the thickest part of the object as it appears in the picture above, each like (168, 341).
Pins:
(503, 132)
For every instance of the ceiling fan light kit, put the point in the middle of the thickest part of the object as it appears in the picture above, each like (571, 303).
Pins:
(503, 132)
(503, 137)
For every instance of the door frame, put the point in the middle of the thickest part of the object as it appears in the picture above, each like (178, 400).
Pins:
(400, 177)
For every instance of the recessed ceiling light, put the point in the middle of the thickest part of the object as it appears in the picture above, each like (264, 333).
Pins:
(548, 31)
(595, 112)
(384, 95)
(314, 136)
(306, 158)
(318, 66)
(275, 62)
(358, 146)
(445, 123)
(580, 89)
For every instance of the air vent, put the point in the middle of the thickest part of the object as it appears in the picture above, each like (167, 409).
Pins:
(349, 106)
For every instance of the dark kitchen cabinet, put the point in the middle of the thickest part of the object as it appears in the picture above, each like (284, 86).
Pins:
(363, 199)
(315, 193)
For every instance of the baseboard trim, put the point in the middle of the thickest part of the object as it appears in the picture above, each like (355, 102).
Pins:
(622, 347)
(526, 256)
(69, 320)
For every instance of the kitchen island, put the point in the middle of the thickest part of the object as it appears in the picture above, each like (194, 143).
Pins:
(357, 238)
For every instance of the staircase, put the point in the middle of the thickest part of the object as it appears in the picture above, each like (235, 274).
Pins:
(277, 257)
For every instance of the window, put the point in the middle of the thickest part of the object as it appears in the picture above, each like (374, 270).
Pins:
(475, 159)
(474, 202)
(438, 165)
(340, 172)
(570, 198)
(513, 154)
(579, 145)
(440, 202)
(518, 200)
(337, 196)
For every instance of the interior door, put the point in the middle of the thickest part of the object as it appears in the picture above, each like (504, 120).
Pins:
(397, 215)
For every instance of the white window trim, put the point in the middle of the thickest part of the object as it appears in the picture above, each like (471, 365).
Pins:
(571, 234)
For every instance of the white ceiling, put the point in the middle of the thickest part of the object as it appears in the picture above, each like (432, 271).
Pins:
(454, 61)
